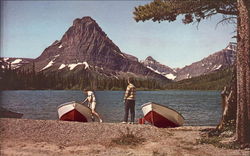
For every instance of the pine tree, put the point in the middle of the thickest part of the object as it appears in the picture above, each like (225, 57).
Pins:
(197, 10)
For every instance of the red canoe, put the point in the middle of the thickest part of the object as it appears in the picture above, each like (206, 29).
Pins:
(161, 116)
(73, 111)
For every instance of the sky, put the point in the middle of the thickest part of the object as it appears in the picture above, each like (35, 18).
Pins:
(28, 27)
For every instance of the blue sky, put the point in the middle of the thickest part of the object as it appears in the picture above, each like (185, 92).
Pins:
(28, 27)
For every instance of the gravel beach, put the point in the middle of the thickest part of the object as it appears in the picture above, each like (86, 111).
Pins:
(50, 137)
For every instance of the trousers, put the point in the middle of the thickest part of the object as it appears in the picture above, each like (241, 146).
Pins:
(129, 106)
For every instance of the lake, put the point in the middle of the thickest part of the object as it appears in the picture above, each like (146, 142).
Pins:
(197, 107)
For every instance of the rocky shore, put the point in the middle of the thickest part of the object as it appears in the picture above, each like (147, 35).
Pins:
(50, 137)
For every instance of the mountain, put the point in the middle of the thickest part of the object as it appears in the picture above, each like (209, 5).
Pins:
(13, 63)
(157, 67)
(86, 47)
(131, 57)
(217, 61)
(85, 55)
(211, 81)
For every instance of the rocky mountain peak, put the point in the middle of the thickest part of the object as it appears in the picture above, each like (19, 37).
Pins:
(150, 58)
(83, 41)
(83, 20)
(83, 28)
(159, 68)
(85, 46)
(216, 61)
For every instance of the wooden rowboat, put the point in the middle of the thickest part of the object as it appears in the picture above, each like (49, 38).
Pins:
(73, 111)
(4, 113)
(161, 116)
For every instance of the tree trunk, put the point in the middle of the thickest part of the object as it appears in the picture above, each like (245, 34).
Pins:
(243, 74)
(229, 104)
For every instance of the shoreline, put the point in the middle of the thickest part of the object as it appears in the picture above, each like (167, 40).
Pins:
(5, 113)
(138, 89)
(54, 137)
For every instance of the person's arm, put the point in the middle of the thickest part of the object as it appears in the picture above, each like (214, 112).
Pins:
(223, 93)
(126, 93)
(84, 100)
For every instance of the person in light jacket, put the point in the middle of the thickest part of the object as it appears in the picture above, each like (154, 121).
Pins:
(129, 101)
(91, 102)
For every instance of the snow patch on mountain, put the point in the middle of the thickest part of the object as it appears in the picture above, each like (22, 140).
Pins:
(62, 66)
(153, 70)
(170, 76)
(13, 63)
(48, 65)
(16, 61)
(188, 76)
(217, 67)
(73, 65)
(86, 65)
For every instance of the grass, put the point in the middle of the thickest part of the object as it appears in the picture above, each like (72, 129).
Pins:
(157, 153)
(214, 137)
(216, 141)
(128, 138)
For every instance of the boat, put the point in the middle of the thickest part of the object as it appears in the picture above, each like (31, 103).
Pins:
(5, 113)
(161, 116)
(74, 111)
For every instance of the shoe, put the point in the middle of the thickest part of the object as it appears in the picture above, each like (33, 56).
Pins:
(124, 122)
(100, 120)
(131, 123)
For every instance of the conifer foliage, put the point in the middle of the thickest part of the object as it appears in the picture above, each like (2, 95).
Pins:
(14, 79)
(197, 10)
(193, 10)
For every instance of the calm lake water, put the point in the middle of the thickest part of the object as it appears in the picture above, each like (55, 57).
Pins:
(197, 107)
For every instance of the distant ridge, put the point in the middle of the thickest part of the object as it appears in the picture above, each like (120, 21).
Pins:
(155, 66)
(13, 63)
(214, 62)
(217, 61)
(211, 81)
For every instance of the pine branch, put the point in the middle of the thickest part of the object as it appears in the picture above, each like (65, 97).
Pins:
(194, 10)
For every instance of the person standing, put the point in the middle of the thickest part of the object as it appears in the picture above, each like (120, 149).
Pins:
(129, 101)
(91, 102)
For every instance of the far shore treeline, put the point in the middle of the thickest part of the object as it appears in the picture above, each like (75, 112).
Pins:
(20, 80)
(31, 80)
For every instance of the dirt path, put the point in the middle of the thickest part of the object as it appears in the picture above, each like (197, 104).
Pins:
(47, 137)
